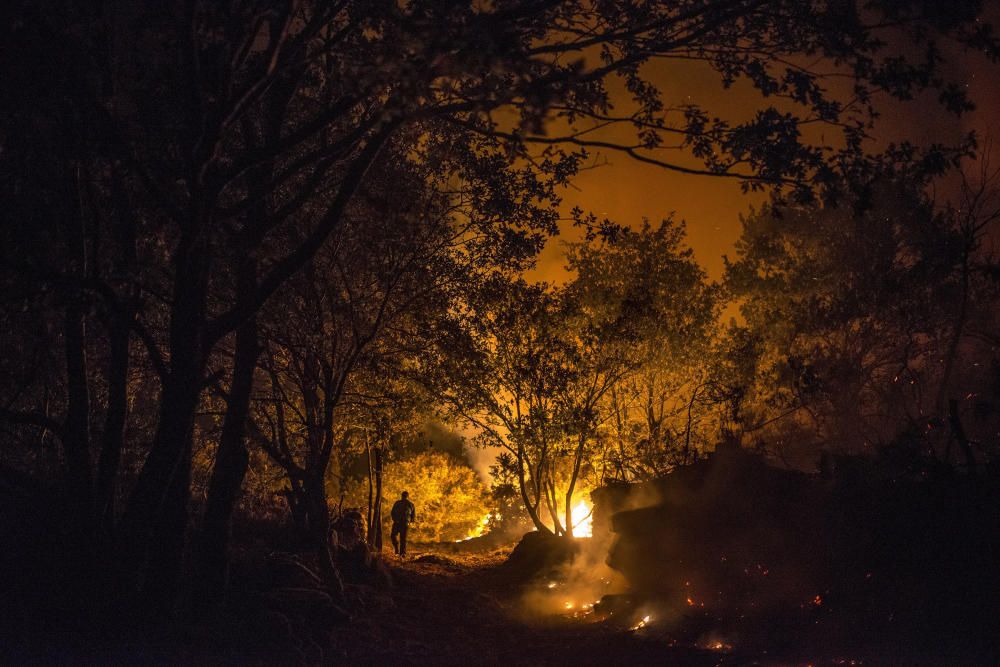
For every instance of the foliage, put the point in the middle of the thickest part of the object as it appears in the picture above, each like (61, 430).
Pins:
(550, 375)
(855, 311)
(451, 500)
(643, 291)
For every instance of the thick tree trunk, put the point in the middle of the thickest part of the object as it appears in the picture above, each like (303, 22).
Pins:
(120, 330)
(230, 469)
(531, 509)
(319, 534)
(114, 422)
(76, 436)
(76, 439)
(155, 522)
(156, 519)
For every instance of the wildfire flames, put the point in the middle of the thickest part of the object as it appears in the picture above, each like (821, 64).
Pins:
(480, 527)
(584, 526)
(583, 516)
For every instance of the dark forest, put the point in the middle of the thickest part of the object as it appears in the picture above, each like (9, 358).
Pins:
(336, 332)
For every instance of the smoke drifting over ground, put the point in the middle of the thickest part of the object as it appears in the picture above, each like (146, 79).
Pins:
(576, 585)
(733, 555)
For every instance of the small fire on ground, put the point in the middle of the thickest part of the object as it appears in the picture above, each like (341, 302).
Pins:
(582, 513)
(643, 622)
(480, 529)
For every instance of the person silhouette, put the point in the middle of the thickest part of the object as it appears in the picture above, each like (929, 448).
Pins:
(403, 514)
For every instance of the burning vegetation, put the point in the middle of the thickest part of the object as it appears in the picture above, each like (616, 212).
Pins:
(734, 555)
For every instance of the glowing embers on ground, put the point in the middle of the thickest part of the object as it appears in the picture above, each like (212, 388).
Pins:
(564, 598)
(657, 622)
(714, 644)
(643, 622)
(579, 610)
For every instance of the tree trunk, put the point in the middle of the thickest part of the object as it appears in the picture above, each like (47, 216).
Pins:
(370, 530)
(155, 522)
(297, 505)
(114, 421)
(230, 469)
(76, 440)
(958, 431)
(522, 485)
(319, 534)
(119, 334)
(553, 507)
(377, 514)
(951, 355)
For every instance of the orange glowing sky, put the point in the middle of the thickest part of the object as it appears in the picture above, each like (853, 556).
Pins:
(626, 190)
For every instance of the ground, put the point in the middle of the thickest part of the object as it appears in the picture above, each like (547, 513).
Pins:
(466, 610)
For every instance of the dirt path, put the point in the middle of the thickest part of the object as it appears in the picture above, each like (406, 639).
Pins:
(465, 610)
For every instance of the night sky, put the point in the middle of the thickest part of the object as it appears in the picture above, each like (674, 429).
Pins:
(626, 190)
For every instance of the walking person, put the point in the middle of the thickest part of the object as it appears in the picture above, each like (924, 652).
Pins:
(403, 514)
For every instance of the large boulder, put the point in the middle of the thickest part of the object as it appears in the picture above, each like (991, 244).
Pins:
(359, 565)
(349, 528)
(540, 554)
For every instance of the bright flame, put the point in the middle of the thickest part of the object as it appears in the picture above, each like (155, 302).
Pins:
(583, 514)
(641, 624)
(480, 528)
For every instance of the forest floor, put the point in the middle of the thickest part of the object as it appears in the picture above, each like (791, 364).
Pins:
(444, 607)
(470, 609)
(467, 609)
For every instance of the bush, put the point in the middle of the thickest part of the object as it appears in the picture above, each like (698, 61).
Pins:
(451, 500)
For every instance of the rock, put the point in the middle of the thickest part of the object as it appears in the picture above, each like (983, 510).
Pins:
(354, 563)
(349, 529)
(540, 553)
